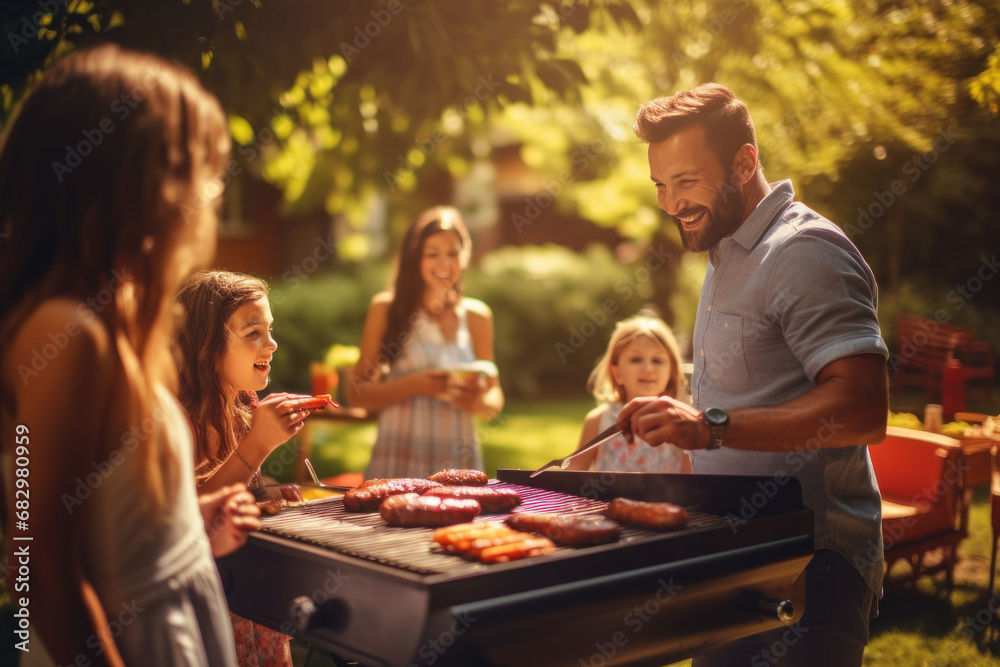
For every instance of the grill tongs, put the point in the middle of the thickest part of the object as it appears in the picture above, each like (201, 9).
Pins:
(563, 463)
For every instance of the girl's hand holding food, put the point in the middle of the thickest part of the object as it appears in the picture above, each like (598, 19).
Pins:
(274, 422)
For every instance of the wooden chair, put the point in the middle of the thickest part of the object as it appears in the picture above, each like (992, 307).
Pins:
(924, 513)
(923, 347)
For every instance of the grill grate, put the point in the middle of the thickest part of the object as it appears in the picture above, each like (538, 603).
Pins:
(365, 535)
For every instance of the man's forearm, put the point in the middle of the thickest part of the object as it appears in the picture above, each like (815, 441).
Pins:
(847, 408)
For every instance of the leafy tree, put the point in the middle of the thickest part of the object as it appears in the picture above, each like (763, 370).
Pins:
(359, 80)
(849, 100)
(344, 100)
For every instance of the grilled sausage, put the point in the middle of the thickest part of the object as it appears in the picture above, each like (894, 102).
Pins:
(271, 507)
(491, 542)
(410, 509)
(460, 477)
(369, 495)
(493, 501)
(311, 402)
(290, 492)
(574, 531)
(658, 516)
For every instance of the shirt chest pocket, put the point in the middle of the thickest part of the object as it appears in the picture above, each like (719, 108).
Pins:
(725, 360)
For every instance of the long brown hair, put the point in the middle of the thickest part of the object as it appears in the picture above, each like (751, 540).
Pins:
(602, 383)
(209, 299)
(408, 289)
(93, 193)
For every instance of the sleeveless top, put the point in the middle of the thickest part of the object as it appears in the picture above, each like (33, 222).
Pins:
(619, 456)
(158, 582)
(421, 435)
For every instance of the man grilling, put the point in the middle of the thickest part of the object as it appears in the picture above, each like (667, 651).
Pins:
(789, 372)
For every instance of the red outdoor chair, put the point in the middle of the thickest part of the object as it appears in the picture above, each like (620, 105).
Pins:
(924, 515)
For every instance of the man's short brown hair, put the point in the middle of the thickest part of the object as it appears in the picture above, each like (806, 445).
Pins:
(726, 119)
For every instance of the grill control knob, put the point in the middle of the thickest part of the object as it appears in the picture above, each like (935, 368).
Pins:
(301, 612)
(305, 614)
(783, 610)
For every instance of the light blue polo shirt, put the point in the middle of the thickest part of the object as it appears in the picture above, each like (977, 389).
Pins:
(784, 296)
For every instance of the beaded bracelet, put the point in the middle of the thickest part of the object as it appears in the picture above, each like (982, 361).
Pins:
(256, 473)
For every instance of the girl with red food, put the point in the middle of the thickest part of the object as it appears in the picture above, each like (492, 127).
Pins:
(224, 349)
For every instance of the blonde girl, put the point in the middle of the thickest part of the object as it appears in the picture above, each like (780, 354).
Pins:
(642, 359)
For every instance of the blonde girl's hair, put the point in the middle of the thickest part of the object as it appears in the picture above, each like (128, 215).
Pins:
(602, 383)
(95, 196)
(209, 299)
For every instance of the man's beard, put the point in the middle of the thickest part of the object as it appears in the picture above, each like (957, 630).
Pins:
(722, 218)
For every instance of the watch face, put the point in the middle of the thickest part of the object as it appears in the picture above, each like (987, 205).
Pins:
(716, 416)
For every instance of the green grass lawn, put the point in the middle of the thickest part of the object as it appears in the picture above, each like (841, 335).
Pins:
(526, 435)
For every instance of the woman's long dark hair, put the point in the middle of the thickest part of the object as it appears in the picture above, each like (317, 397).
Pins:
(209, 299)
(95, 202)
(408, 290)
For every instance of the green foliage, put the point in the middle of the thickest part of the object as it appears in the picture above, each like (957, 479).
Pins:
(312, 315)
(553, 312)
(932, 301)
(340, 97)
(342, 356)
(525, 436)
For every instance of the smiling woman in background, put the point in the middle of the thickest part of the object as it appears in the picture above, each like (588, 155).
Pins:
(413, 337)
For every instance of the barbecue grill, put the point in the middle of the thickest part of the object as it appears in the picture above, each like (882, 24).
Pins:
(387, 597)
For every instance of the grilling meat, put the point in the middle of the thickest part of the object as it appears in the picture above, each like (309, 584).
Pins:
(369, 495)
(319, 402)
(273, 506)
(570, 530)
(658, 516)
(410, 509)
(491, 542)
(493, 501)
(456, 477)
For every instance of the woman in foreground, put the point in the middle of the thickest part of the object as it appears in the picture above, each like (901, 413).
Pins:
(104, 217)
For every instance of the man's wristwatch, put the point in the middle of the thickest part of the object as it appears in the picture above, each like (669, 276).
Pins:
(717, 420)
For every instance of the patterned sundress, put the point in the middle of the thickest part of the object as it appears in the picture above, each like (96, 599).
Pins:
(617, 455)
(423, 434)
